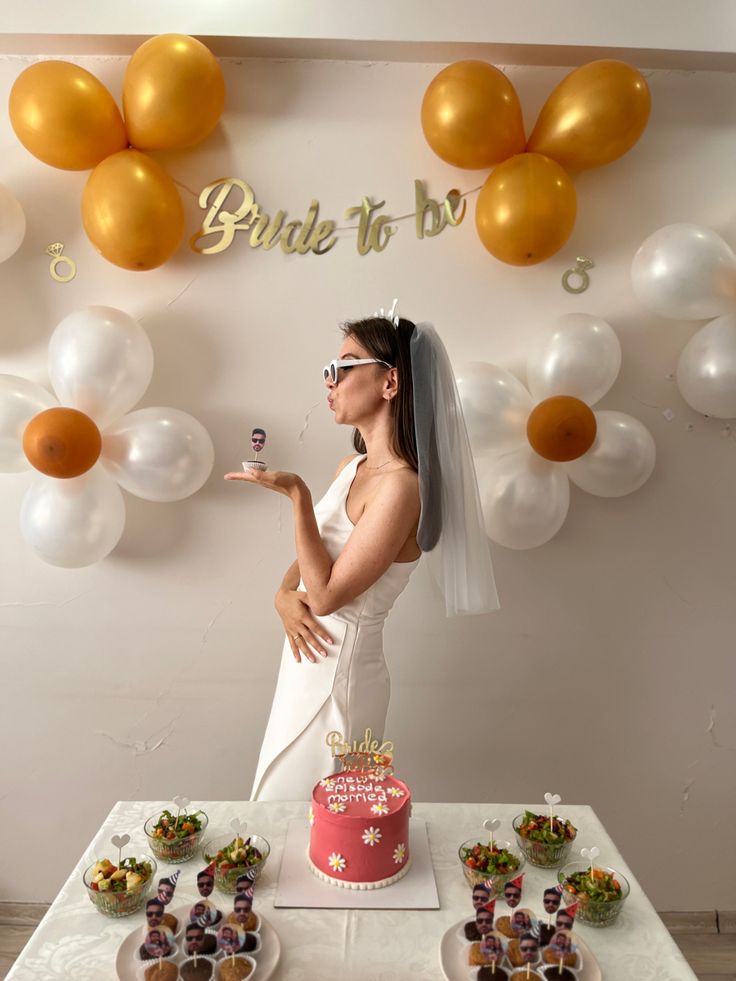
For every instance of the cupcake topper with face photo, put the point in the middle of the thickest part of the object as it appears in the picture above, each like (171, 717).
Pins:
(206, 880)
(257, 442)
(512, 891)
(158, 942)
(230, 938)
(523, 921)
(550, 800)
(119, 842)
(551, 900)
(203, 913)
(167, 886)
(566, 917)
(493, 948)
(491, 825)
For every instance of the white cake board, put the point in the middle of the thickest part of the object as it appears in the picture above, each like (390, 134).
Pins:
(299, 887)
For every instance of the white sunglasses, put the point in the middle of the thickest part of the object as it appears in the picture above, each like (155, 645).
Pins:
(330, 370)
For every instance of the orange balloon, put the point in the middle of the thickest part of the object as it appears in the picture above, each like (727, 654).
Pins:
(471, 115)
(561, 428)
(526, 210)
(65, 116)
(173, 93)
(594, 116)
(132, 211)
(62, 442)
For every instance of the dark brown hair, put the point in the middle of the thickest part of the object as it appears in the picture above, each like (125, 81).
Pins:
(391, 344)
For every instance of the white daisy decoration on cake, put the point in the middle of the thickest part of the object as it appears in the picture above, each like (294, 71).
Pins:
(311, 816)
(337, 807)
(395, 792)
(379, 809)
(399, 853)
(327, 783)
(371, 836)
(336, 862)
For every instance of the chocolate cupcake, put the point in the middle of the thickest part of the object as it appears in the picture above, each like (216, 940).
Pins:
(488, 974)
(201, 971)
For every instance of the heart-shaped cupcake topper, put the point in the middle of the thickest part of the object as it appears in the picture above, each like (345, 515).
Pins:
(119, 842)
(551, 800)
(591, 854)
(182, 803)
(491, 825)
(238, 826)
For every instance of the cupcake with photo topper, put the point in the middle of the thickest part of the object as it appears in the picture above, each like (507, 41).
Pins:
(235, 968)
(243, 915)
(197, 969)
(160, 970)
(257, 441)
(488, 951)
(157, 944)
(562, 951)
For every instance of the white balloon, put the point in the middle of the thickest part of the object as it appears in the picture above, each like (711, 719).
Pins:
(686, 272)
(159, 454)
(101, 362)
(620, 460)
(581, 357)
(525, 499)
(706, 371)
(495, 405)
(20, 401)
(12, 224)
(75, 522)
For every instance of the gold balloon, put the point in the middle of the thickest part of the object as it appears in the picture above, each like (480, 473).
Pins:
(471, 115)
(526, 210)
(132, 211)
(173, 93)
(65, 116)
(62, 442)
(594, 116)
(561, 428)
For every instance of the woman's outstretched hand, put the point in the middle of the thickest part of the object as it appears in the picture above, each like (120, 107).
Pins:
(303, 631)
(280, 481)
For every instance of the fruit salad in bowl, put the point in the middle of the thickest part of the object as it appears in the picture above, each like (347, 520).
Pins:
(119, 890)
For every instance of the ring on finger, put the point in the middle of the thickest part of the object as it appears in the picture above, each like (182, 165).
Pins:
(295, 636)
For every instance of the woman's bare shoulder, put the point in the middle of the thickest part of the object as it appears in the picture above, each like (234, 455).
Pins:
(343, 463)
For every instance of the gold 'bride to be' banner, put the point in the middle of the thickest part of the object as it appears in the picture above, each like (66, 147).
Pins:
(231, 207)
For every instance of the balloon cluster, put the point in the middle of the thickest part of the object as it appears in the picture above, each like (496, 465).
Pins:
(86, 442)
(528, 446)
(173, 96)
(687, 272)
(471, 117)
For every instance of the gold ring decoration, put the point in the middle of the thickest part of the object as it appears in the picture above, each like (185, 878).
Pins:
(579, 269)
(55, 251)
(294, 636)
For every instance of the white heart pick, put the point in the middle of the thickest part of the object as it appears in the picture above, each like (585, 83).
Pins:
(552, 799)
(181, 802)
(492, 825)
(590, 853)
(238, 826)
(120, 841)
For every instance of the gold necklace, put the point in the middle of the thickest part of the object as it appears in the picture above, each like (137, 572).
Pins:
(394, 460)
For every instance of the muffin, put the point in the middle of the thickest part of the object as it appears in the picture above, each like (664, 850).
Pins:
(555, 974)
(233, 969)
(488, 974)
(201, 971)
(165, 971)
(503, 925)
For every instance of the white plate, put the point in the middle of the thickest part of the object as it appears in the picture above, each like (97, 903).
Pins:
(266, 959)
(454, 956)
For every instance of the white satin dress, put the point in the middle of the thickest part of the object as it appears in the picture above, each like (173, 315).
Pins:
(348, 690)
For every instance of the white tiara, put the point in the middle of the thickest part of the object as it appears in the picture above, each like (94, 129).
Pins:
(392, 315)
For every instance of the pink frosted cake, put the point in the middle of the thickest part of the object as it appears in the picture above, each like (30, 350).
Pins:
(359, 830)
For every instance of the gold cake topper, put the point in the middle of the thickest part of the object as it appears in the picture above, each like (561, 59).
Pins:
(367, 756)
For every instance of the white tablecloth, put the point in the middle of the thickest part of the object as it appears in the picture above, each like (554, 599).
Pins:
(76, 943)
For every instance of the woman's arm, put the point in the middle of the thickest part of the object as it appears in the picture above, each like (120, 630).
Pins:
(375, 542)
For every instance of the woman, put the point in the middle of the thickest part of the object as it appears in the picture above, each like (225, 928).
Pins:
(358, 546)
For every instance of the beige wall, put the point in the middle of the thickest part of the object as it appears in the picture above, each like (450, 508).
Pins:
(608, 674)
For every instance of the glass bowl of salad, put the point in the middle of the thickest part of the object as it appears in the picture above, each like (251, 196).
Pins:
(120, 890)
(600, 895)
(545, 845)
(175, 839)
(480, 863)
(234, 856)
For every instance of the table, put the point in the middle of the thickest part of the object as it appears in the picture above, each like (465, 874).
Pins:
(74, 941)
